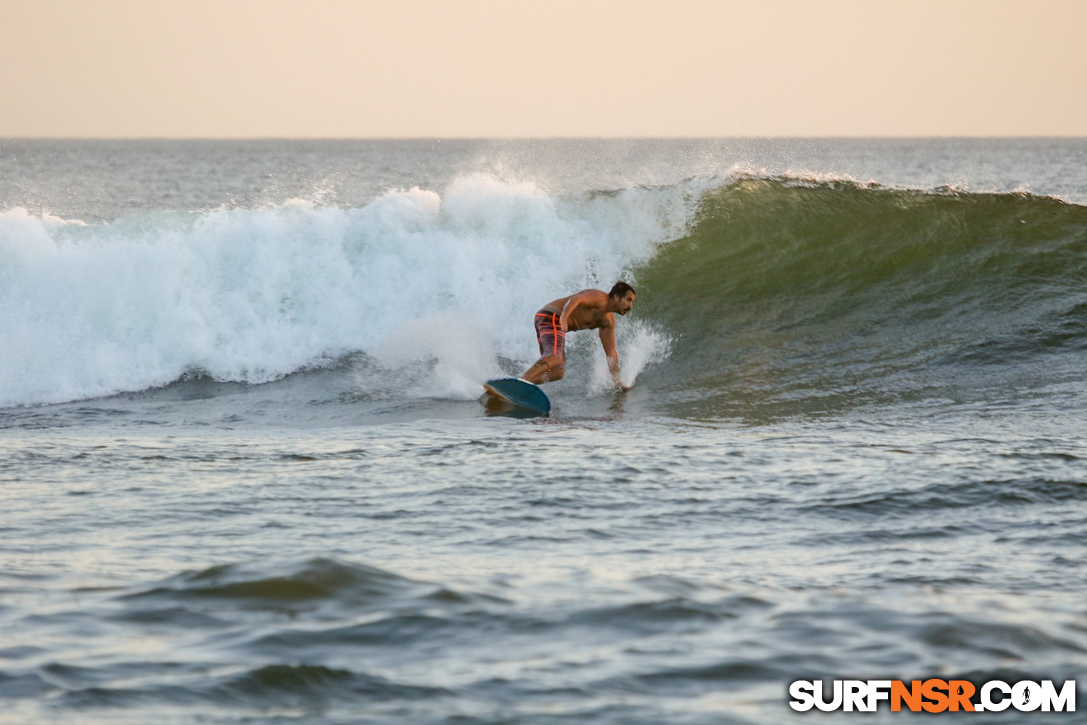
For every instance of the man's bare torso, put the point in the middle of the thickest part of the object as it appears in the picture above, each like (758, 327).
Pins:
(590, 314)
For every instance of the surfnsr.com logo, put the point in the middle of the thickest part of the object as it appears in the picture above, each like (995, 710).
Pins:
(933, 696)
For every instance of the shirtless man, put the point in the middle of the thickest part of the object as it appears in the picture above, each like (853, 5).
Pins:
(589, 309)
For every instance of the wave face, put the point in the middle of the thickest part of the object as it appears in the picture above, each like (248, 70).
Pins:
(818, 295)
(253, 295)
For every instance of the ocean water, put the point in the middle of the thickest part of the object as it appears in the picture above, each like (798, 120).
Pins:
(245, 476)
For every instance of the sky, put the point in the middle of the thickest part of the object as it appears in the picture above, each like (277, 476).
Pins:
(541, 68)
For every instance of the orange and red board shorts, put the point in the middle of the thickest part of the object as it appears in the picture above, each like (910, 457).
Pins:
(549, 334)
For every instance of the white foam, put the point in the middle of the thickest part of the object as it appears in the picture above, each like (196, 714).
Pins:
(252, 295)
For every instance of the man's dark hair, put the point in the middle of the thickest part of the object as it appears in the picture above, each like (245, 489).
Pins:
(620, 289)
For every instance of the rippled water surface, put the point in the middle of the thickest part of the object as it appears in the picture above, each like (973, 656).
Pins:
(493, 570)
(242, 480)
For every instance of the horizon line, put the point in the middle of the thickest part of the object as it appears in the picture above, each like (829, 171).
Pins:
(801, 137)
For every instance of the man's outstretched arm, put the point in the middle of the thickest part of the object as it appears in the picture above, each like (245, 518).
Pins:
(607, 339)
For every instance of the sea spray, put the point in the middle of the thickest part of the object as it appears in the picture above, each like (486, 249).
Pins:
(638, 344)
(454, 352)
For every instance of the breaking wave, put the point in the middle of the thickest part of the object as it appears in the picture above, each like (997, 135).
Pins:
(778, 291)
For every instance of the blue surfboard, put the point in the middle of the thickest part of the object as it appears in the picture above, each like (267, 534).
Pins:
(519, 395)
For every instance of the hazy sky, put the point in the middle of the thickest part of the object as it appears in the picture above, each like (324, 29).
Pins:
(483, 68)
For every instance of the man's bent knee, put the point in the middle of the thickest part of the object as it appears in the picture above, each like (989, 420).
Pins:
(547, 369)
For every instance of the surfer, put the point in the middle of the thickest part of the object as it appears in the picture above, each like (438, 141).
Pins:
(589, 309)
